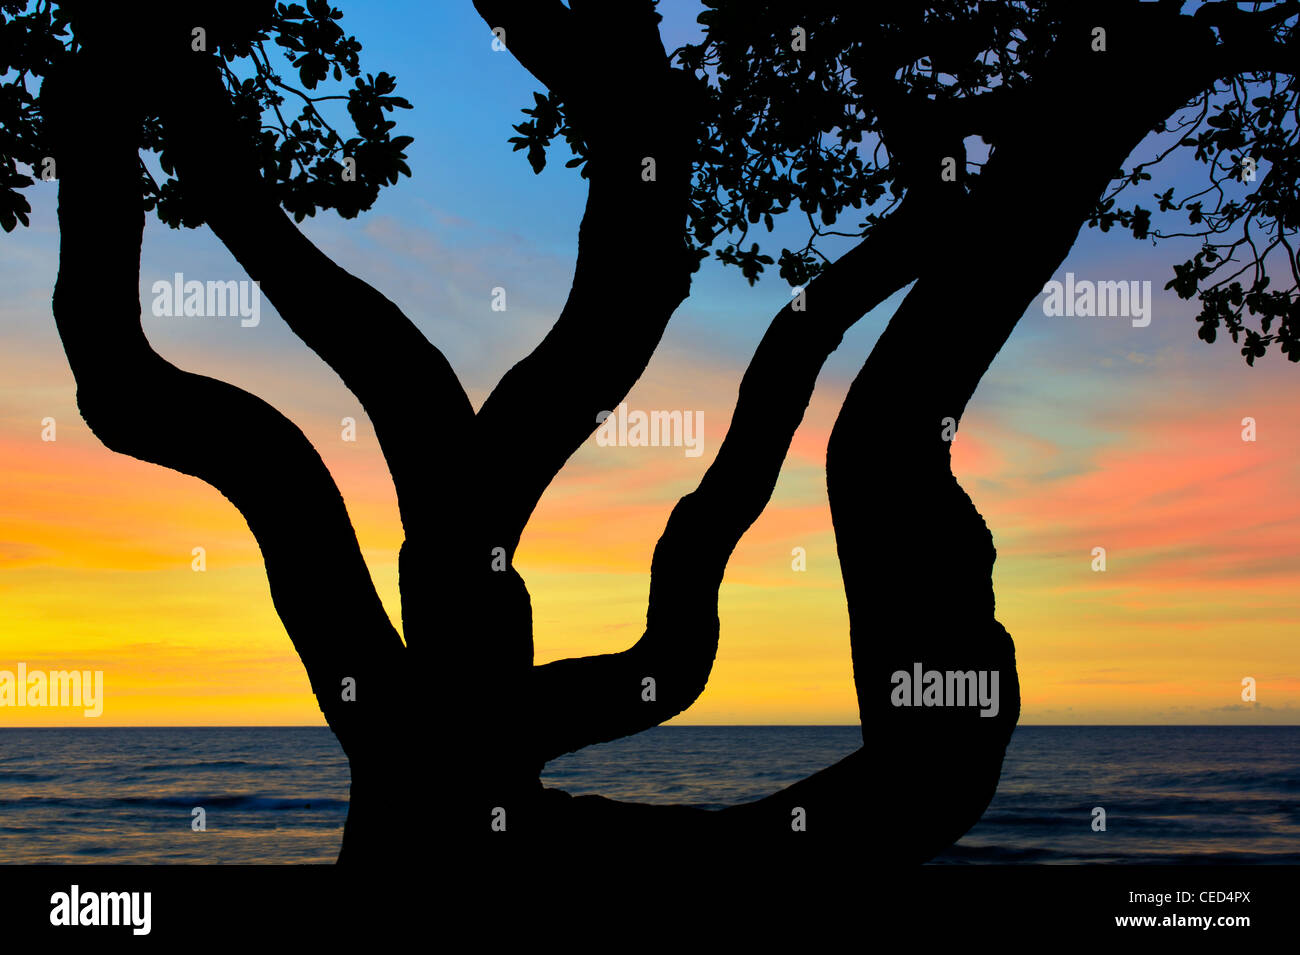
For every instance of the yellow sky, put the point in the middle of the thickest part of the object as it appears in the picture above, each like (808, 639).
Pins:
(96, 570)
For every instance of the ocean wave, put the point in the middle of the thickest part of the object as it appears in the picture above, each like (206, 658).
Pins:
(250, 803)
(258, 803)
(1193, 796)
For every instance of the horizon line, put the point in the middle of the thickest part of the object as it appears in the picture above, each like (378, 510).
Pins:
(233, 726)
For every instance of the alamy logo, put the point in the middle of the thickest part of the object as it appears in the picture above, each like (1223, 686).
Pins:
(639, 429)
(195, 299)
(946, 688)
(103, 908)
(84, 688)
(1086, 299)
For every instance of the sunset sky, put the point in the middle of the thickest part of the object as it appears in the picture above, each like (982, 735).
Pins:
(1086, 432)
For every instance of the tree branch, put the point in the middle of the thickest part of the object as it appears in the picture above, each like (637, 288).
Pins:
(140, 405)
(633, 267)
(913, 549)
(1249, 39)
(917, 570)
(598, 698)
(541, 35)
(402, 380)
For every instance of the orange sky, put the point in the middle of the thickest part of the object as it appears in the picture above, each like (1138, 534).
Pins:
(1199, 527)
(1084, 433)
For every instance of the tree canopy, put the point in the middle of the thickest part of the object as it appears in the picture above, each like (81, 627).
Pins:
(834, 110)
(275, 59)
(816, 107)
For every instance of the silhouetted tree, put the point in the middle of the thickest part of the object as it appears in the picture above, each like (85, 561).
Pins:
(826, 106)
(834, 108)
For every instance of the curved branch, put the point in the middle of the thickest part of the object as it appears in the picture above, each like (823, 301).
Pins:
(598, 698)
(540, 35)
(914, 551)
(633, 267)
(140, 405)
(402, 380)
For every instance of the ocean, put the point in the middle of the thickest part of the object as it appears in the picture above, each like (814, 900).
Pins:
(1172, 795)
